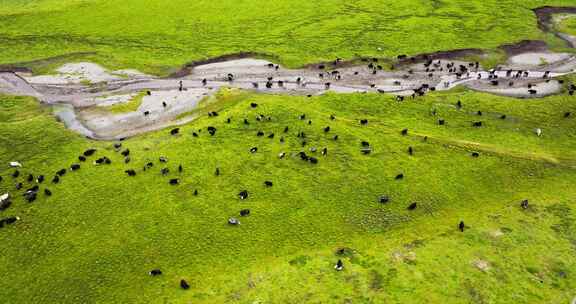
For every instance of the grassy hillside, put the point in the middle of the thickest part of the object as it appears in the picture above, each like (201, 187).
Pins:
(96, 238)
(157, 36)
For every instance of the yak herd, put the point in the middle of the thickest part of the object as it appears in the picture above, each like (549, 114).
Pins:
(33, 182)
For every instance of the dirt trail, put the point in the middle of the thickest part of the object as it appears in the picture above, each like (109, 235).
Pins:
(11, 83)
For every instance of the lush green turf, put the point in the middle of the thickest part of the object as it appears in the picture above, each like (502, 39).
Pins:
(95, 239)
(130, 106)
(568, 25)
(157, 36)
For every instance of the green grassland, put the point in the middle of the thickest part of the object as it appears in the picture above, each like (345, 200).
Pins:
(130, 106)
(568, 25)
(157, 36)
(94, 240)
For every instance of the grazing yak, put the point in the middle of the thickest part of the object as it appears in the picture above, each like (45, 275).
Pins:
(103, 160)
(184, 285)
(243, 194)
(174, 181)
(30, 196)
(89, 152)
(233, 221)
(5, 201)
(155, 272)
(384, 199)
(339, 265)
(412, 206)
(175, 131)
(8, 221)
(244, 212)
(130, 172)
(538, 132)
(268, 184)
(15, 164)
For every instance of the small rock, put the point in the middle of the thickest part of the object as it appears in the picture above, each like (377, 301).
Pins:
(482, 265)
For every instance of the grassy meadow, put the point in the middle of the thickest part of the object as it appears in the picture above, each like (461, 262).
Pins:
(96, 238)
(130, 106)
(100, 233)
(568, 25)
(158, 36)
